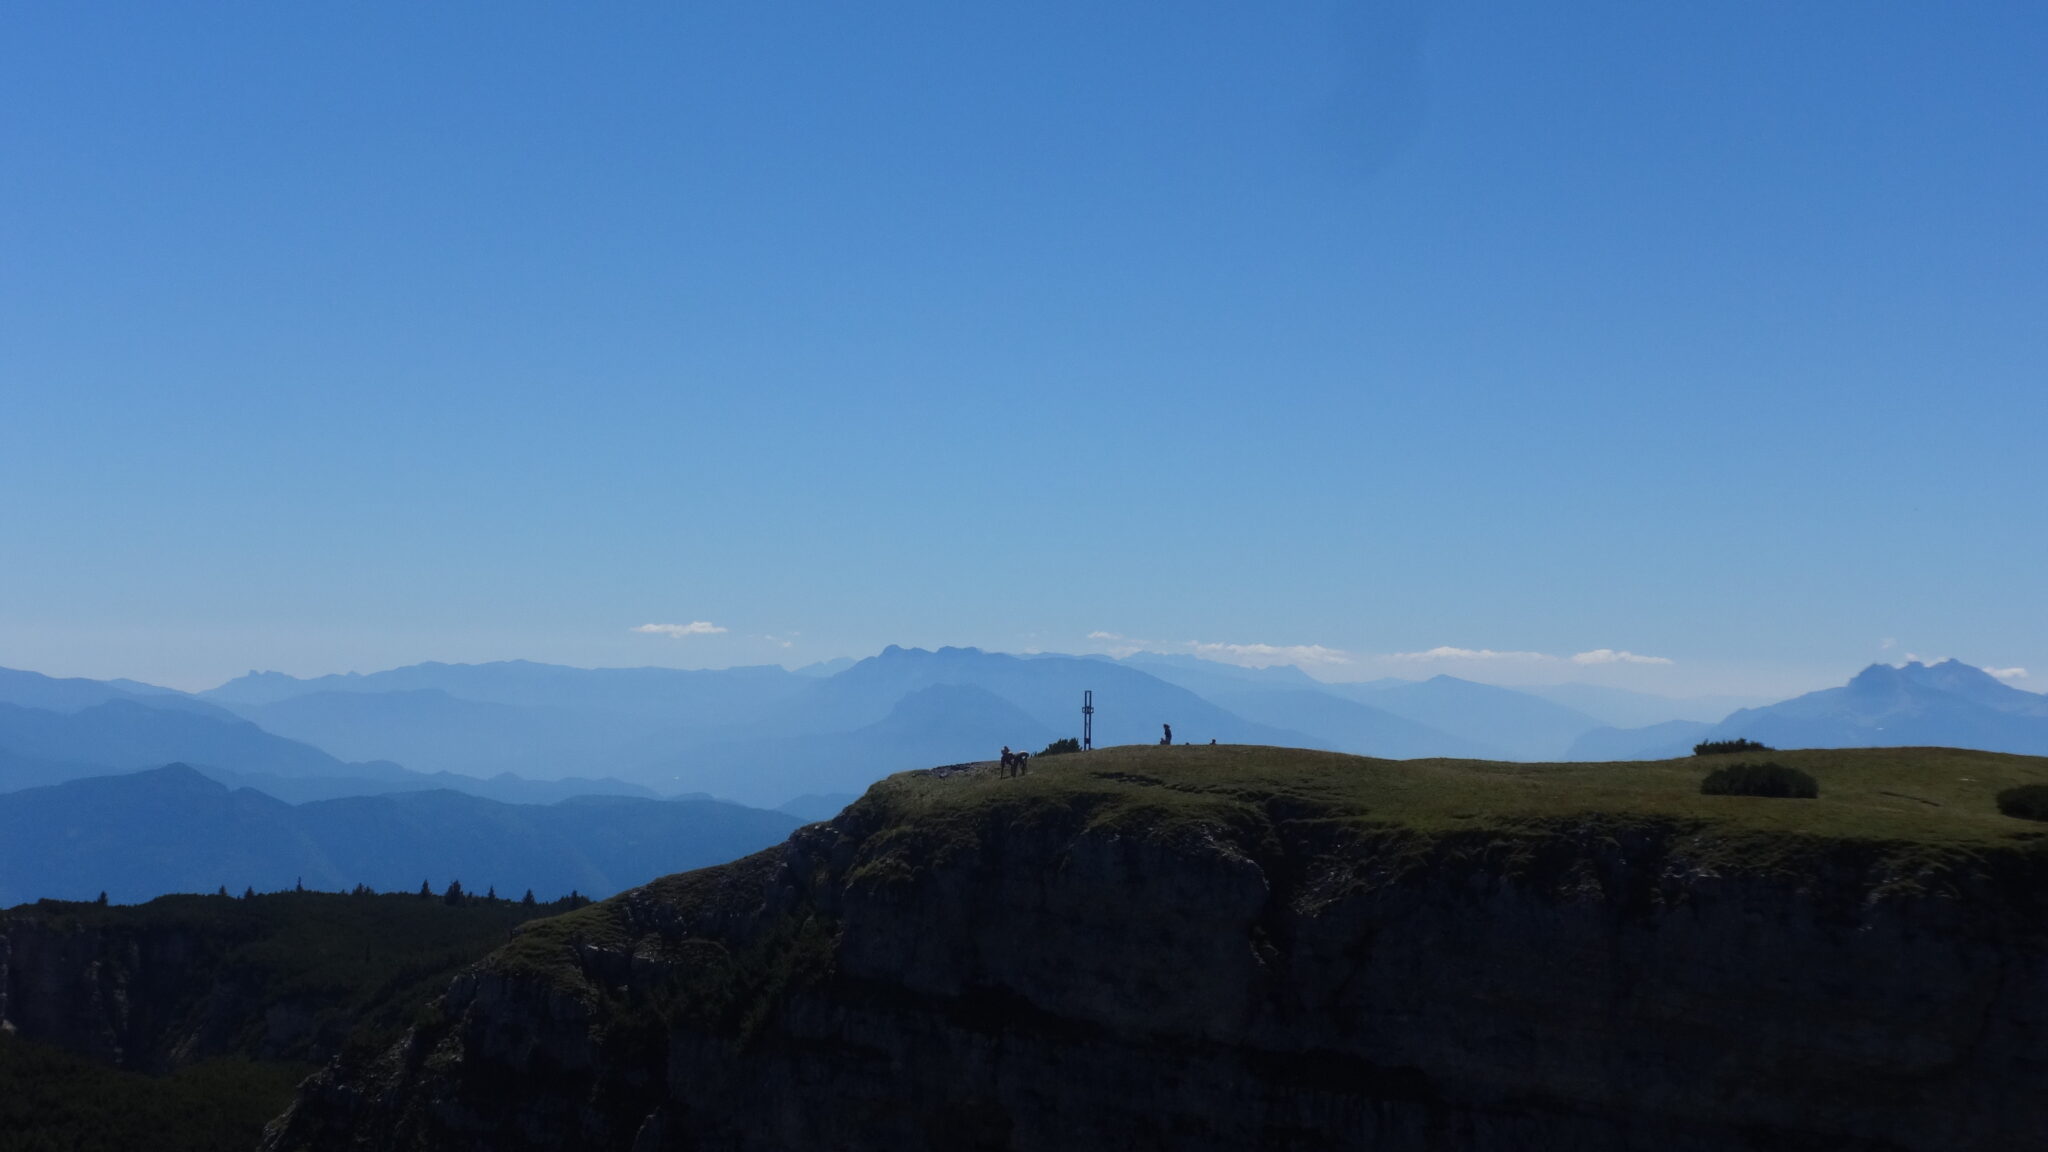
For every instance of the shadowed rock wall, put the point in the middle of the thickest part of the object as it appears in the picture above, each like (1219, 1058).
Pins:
(1041, 981)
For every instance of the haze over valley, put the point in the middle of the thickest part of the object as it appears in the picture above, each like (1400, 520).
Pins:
(269, 779)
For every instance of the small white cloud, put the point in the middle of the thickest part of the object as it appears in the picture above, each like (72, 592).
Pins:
(781, 641)
(1267, 655)
(1117, 644)
(2008, 673)
(1446, 652)
(1887, 644)
(1610, 656)
(678, 631)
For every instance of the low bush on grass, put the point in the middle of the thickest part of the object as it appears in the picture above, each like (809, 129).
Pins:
(1760, 780)
(1062, 747)
(1717, 747)
(2028, 801)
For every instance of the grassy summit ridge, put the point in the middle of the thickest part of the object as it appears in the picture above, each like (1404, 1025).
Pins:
(1903, 819)
(1913, 801)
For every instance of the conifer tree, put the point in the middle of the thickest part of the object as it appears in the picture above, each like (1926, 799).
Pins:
(528, 898)
(425, 890)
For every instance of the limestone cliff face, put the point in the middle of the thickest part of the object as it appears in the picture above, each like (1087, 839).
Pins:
(1035, 976)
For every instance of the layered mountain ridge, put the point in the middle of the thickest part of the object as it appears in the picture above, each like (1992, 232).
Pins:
(518, 731)
(175, 830)
(1949, 704)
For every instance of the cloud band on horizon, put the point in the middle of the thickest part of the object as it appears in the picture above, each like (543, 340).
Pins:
(678, 631)
(1594, 656)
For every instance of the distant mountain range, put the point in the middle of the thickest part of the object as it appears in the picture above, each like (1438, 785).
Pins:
(126, 733)
(524, 732)
(172, 829)
(1949, 704)
(538, 720)
(53, 730)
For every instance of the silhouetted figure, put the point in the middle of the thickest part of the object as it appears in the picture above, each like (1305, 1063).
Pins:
(1168, 738)
(1009, 761)
(1212, 739)
(1023, 763)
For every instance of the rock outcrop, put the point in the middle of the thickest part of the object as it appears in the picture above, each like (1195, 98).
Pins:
(1124, 963)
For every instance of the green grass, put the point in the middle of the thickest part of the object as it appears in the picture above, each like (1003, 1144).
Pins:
(1920, 817)
(1919, 796)
(1910, 815)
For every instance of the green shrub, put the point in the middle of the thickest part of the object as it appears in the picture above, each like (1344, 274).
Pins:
(2028, 801)
(1760, 780)
(1062, 747)
(1717, 747)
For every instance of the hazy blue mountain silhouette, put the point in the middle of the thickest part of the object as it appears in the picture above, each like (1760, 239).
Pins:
(1973, 684)
(40, 747)
(1326, 720)
(173, 830)
(428, 730)
(1206, 677)
(665, 696)
(934, 724)
(68, 694)
(536, 720)
(123, 734)
(764, 735)
(1650, 742)
(1950, 704)
(1516, 724)
(1130, 704)
(1622, 708)
(505, 787)
(18, 771)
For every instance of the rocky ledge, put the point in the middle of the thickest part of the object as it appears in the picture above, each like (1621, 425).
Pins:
(1233, 948)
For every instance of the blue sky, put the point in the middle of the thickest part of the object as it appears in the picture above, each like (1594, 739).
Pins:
(344, 337)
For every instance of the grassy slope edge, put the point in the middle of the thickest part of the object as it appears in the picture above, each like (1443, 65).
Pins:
(1913, 817)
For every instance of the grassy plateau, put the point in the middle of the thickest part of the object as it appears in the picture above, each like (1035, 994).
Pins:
(1914, 816)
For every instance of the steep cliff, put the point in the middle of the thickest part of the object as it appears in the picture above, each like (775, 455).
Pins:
(1235, 947)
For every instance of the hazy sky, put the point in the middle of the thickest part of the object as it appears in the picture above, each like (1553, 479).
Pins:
(344, 336)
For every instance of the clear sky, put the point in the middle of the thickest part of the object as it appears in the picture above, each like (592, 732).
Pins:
(345, 336)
